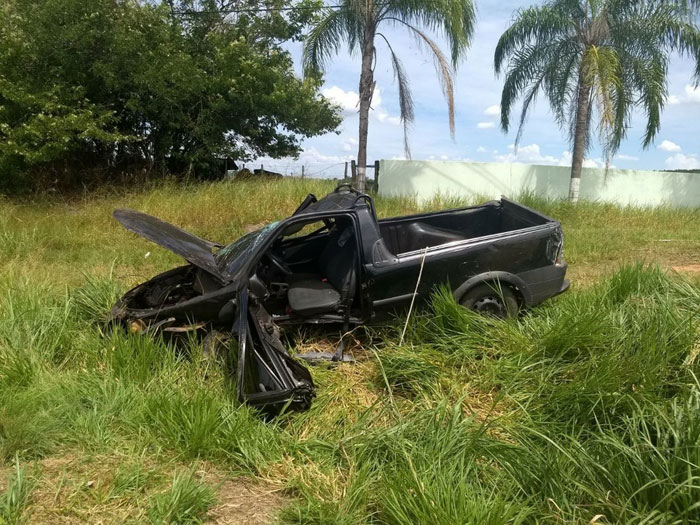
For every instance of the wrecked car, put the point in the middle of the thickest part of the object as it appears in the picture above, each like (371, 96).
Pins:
(334, 261)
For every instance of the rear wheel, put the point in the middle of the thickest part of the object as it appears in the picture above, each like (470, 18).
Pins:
(491, 299)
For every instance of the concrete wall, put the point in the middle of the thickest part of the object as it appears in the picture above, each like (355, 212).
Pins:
(424, 179)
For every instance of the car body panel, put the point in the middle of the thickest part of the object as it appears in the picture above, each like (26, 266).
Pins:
(193, 249)
(267, 376)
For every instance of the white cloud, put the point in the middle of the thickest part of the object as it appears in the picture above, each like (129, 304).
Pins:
(691, 95)
(486, 125)
(622, 156)
(567, 158)
(481, 149)
(532, 154)
(313, 156)
(310, 156)
(667, 145)
(350, 144)
(349, 103)
(529, 153)
(679, 161)
(383, 116)
(443, 158)
(347, 100)
(493, 111)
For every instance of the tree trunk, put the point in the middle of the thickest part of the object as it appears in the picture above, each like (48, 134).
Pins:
(366, 92)
(583, 108)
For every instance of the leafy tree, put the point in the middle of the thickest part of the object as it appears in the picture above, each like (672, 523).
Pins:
(113, 85)
(586, 56)
(357, 23)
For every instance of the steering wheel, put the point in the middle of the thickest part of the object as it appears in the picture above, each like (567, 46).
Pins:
(278, 263)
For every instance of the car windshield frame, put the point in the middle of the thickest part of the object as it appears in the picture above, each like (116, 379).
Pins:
(232, 257)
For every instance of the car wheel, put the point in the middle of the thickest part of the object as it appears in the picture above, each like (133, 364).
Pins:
(490, 299)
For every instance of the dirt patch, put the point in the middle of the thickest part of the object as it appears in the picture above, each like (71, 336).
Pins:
(78, 489)
(244, 503)
(75, 488)
(250, 228)
(687, 268)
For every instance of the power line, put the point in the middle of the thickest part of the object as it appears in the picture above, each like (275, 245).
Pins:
(328, 168)
(191, 12)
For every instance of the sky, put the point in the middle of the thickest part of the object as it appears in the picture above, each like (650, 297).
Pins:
(478, 135)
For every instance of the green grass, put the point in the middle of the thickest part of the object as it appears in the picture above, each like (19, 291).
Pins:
(186, 501)
(586, 406)
(15, 498)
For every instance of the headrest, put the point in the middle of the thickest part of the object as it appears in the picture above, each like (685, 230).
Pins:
(345, 236)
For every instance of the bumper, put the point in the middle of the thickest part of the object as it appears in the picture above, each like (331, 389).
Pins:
(545, 282)
(564, 287)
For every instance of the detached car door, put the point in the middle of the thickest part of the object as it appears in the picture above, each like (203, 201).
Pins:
(267, 377)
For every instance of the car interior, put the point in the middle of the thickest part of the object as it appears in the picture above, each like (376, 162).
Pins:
(311, 270)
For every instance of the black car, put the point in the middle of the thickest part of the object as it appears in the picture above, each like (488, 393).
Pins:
(333, 261)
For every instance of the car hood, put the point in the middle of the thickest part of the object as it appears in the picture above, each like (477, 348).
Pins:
(193, 249)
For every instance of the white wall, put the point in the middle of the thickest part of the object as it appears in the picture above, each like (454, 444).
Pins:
(424, 179)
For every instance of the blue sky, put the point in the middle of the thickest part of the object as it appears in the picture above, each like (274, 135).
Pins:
(477, 95)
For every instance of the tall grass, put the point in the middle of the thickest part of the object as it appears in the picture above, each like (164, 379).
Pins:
(15, 498)
(593, 412)
(186, 501)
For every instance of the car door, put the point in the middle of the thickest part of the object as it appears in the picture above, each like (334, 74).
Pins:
(267, 376)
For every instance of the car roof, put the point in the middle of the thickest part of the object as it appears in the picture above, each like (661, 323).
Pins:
(336, 201)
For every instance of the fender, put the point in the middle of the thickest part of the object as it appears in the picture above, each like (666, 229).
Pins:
(486, 277)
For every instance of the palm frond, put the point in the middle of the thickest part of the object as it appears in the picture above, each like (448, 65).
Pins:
(455, 20)
(444, 72)
(658, 25)
(535, 25)
(328, 35)
(405, 96)
(561, 81)
(527, 68)
(602, 68)
(623, 103)
(648, 76)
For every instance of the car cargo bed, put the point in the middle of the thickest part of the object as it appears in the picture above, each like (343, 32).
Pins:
(415, 232)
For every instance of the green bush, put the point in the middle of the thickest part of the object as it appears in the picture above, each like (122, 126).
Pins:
(92, 89)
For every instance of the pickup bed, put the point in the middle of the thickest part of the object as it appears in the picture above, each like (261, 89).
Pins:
(500, 243)
(333, 261)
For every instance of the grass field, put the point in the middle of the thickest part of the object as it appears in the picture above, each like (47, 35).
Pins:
(586, 409)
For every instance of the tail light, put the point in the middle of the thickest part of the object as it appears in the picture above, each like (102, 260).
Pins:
(555, 247)
(559, 259)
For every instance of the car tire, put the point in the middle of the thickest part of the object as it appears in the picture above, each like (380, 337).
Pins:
(491, 299)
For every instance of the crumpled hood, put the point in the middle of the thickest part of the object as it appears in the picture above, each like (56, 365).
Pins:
(193, 249)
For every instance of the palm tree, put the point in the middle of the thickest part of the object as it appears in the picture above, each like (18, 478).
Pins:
(603, 56)
(357, 23)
